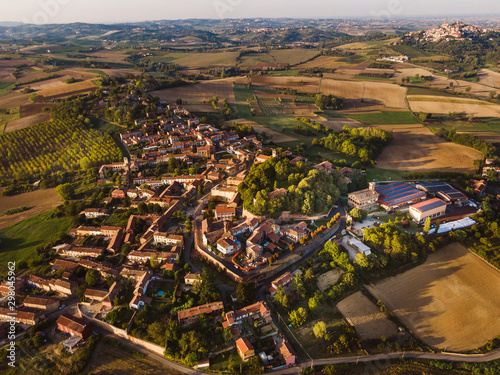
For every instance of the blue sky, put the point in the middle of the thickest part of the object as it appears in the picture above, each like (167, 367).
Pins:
(111, 11)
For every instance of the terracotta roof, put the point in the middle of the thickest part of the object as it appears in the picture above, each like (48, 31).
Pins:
(41, 301)
(244, 345)
(72, 322)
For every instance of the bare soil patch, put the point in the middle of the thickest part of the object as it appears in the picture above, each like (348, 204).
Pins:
(37, 202)
(365, 316)
(328, 279)
(66, 90)
(26, 122)
(489, 78)
(451, 302)
(416, 148)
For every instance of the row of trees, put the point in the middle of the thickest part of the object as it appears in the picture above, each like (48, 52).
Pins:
(465, 139)
(56, 145)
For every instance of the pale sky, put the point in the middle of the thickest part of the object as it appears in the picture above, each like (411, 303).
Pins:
(114, 11)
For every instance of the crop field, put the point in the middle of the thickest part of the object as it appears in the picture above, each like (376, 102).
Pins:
(292, 56)
(8, 115)
(270, 106)
(384, 118)
(478, 109)
(30, 114)
(367, 45)
(488, 77)
(442, 83)
(198, 60)
(284, 125)
(365, 316)
(416, 148)
(388, 95)
(6, 87)
(53, 146)
(451, 302)
(328, 279)
(36, 202)
(108, 359)
(242, 93)
(20, 240)
(276, 137)
(68, 90)
(200, 92)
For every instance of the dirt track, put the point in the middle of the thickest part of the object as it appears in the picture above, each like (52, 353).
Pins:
(451, 302)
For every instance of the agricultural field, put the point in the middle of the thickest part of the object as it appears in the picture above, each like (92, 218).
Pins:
(52, 146)
(384, 118)
(198, 60)
(270, 106)
(416, 148)
(276, 137)
(6, 87)
(30, 114)
(61, 91)
(366, 317)
(388, 95)
(200, 92)
(450, 302)
(20, 240)
(488, 77)
(36, 202)
(110, 359)
(375, 44)
(292, 56)
(8, 115)
(440, 106)
(443, 82)
(328, 279)
(242, 93)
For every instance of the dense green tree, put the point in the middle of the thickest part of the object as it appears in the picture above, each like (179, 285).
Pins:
(298, 317)
(93, 277)
(319, 329)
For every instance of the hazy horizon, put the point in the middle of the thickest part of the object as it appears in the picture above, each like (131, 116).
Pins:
(127, 11)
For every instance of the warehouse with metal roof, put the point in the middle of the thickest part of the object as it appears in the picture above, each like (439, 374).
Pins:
(398, 194)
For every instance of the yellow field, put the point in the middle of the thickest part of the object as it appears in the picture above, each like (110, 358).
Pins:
(416, 148)
(477, 109)
(367, 45)
(70, 89)
(451, 302)
(488, 77)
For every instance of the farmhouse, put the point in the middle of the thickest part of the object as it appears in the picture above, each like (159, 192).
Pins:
(245, 348)
(430, 208)
(41, 303)
(67, 287)
(397, 195)
(192, 278)
(363, 199)
(78, 252)
(254, 311)
(74, 326)
(282, 281)
(191, 315)
(38, 282)
(223, 212)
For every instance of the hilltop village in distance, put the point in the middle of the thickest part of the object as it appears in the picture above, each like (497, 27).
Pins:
(250, 198)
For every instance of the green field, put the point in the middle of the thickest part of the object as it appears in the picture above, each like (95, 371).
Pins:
(270, 106)
(20, 240)
(412, 52)
(385, 219)
(242, 93)
(290, 72)
(10, 115)
(380, 174)
(6, 87)
(244, 111)
(385, 118)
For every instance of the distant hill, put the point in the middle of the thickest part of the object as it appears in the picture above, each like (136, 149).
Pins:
(10, 24)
